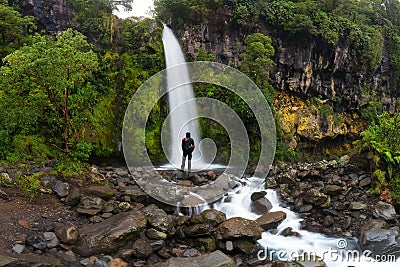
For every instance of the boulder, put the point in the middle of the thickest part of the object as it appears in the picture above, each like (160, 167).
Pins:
(375, 237)
(68, 234)
(101, 191)
(315, 197)
(110, 234)
(238, 227)
(158, 218)
(271, 220)
(215, 259)
(383, 210)
(261, 206)
(213, 216)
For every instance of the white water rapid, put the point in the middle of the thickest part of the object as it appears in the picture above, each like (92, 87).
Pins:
(179, 90)
(237, 203)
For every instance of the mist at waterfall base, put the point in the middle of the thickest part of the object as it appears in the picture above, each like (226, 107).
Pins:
(237, 202)
(180, 90)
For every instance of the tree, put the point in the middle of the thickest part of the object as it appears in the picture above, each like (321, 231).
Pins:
(13, 28)
(45, 89)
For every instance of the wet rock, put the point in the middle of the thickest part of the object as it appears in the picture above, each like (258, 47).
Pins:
(103, 192)
(5, 178)
(380, 241)
(383, 210)
(142, 248)
(239, 227)
(74, 197)
(111, 234)
(158, 218)
(271, 220)
(157, 244)
(213, 216)
(315, 197)
(215, 259)
(261, 206)
(257, 195)
(36, 240)
(68, 234)
(61, 188)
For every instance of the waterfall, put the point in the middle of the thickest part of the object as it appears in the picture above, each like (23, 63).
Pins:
(179, 90)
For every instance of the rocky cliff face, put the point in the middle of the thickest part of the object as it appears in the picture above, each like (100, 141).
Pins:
(305, 70)
(50, 15)
(304, 67)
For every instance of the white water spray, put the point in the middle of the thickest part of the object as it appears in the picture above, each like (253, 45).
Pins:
(179, 90)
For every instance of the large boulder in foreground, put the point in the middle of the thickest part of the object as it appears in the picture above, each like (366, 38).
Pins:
(377, 238)
(215, 259)
(111, 234)
(238, 227)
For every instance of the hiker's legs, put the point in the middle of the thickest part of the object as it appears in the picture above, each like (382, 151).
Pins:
(183, 162)
(189, 162)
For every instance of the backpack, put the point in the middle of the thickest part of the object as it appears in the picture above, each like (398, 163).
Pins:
(187, 146)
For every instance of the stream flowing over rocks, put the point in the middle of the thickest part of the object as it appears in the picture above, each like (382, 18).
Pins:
(110, 221)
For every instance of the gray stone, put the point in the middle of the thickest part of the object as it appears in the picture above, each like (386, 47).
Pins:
(261, 206)
(52, 240)
(18, 248)
(383, 210)
(36, 240)
(91, 205)
(378, 240)
(215, 259)
(61, 188)
(110, 234)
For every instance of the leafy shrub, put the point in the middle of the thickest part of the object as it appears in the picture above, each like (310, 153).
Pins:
(382, 138)
(30, 185)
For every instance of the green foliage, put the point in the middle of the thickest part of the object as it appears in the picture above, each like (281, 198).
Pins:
(383, 139)
(30, 184)
(13, 29)
(46, 93)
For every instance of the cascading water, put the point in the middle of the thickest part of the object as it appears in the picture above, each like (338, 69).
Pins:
(180, 90)
(238, 204)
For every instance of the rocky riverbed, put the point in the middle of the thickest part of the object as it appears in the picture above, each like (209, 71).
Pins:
(103, 218)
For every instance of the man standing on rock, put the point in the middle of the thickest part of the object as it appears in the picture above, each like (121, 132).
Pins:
(187, 149)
